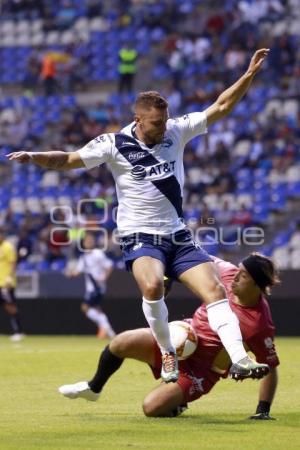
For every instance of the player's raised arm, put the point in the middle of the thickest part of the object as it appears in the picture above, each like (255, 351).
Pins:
(56, 160)
(231, 96)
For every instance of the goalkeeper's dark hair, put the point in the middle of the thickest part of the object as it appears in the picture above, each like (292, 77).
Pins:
(263, 270)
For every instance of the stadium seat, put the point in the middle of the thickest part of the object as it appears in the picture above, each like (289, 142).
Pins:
(244, 199)
(294, 242)
(242, 148)
(26, 266)
(261, 214)
(58, 265)
(295, 259)
(282, 239)
(293, 189)
(281, 256)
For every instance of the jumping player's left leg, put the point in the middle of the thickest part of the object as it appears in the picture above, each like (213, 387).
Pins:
(149, 275)
(203, 280)
(135, 344)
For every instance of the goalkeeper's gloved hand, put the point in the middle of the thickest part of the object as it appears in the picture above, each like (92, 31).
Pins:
(262, 416)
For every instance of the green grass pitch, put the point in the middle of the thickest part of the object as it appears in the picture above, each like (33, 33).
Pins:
(35, 416)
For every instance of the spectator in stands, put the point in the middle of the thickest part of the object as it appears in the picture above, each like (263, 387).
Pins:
(127, 68)
(242, 216)
(31, 79)
(223, 182)
(48, 74)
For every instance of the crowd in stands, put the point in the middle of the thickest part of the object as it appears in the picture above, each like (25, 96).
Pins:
(245, 172)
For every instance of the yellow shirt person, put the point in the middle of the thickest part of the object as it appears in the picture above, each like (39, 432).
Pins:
(8, 257)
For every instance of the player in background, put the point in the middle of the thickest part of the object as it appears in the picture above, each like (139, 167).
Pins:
(96, 267)
(146, 161)
(8, 258)
(246, 287)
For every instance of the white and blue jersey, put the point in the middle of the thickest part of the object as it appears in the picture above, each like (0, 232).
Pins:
(94, 264)
(149, 181)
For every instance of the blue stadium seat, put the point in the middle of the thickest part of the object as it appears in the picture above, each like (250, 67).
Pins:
(293, 189)
(243, 187)
(261, 214)
(26, 266)
(58, 265)
(244, 175)
(42, 266)
(282, 238)
(278, 202)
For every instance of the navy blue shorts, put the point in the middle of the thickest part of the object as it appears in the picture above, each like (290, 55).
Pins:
(178, 252)
(93, 299)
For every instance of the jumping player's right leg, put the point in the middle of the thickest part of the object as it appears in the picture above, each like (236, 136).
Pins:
(205, 282)
(149, 275)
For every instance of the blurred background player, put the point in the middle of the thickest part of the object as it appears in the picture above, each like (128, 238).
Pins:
(8, 258)
(96, 267)
(246, 287)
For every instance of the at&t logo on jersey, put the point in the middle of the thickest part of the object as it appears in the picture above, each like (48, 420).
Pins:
(139, 172)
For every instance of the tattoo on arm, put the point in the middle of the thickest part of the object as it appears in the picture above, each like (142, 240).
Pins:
(51, 160)
(57, 161)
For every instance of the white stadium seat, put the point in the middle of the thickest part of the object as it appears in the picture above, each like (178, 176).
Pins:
(242, 148)
(82, 24)
(50, 178)
(38, 39)
(244, 199)
(295, 259)
(52, 37)
(291, 107)
(281, 257)
(294, 242)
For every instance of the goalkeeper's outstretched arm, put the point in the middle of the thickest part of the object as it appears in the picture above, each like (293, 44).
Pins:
(267, 390)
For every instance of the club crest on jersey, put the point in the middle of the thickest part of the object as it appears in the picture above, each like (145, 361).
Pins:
(138, 173)
(167, 142)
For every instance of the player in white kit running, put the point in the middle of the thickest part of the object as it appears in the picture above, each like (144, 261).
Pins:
(146, 160)
(96, 267)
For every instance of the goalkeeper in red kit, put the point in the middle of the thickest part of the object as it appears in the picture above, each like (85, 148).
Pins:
(246, 287)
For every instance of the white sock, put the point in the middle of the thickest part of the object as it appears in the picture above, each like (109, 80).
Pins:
(156, 313)
(104, 323)
(93, 315)
(226, 324)
(101, 320)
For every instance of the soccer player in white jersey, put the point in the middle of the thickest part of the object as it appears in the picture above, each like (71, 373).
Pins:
(96, 267)
(146, 160)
